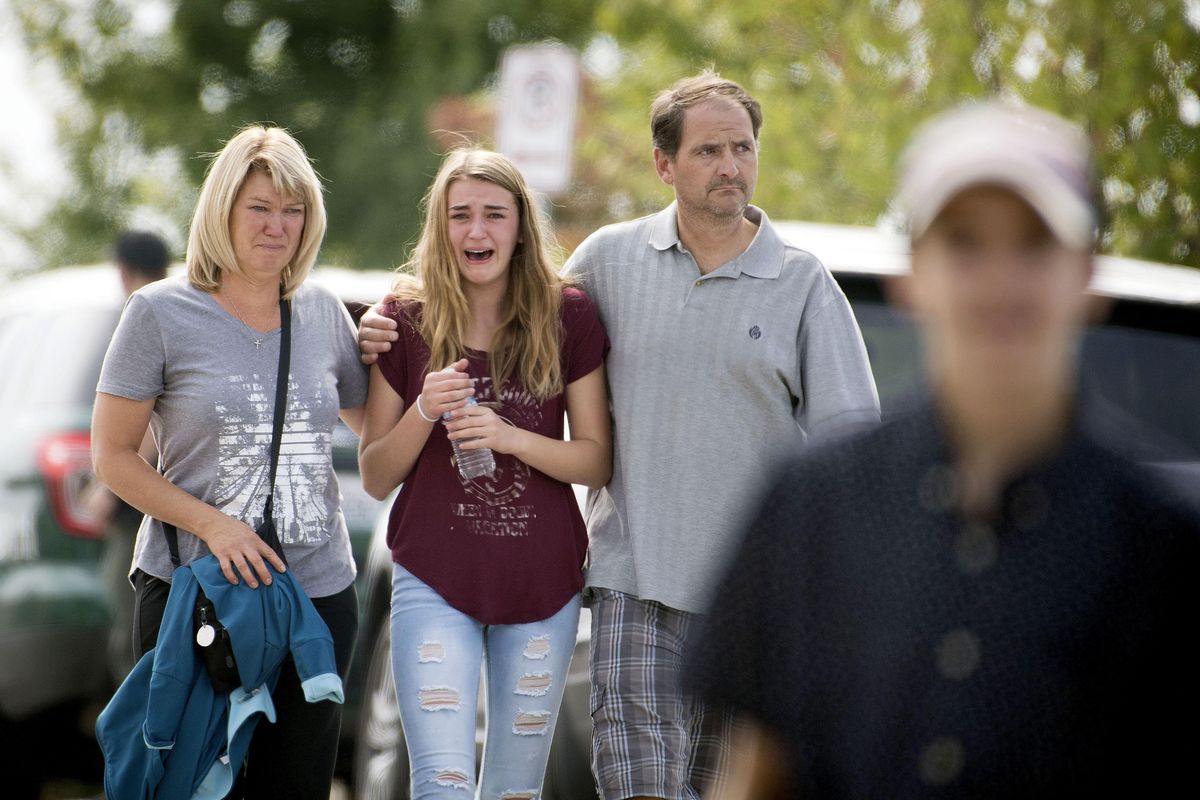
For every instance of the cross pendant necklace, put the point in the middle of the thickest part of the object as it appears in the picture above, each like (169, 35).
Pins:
(257, 342)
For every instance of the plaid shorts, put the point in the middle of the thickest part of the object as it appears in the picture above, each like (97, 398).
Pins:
(648, 736)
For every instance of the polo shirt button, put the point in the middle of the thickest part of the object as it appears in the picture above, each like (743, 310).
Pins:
(958, 654)
(942, 761)
(697, 283)
(976, 548)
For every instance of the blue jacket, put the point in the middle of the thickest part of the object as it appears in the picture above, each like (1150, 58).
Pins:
(166, 733)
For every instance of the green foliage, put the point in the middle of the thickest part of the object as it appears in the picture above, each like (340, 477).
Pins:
(843, 83)
(354, 81)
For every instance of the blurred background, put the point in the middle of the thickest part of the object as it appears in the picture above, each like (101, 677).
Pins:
(109, 104)
(108, 108)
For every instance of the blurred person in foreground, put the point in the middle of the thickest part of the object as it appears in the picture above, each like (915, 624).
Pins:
(487, 569)
(729, 347)
(141, 258)
(983, 598)
(196, 357)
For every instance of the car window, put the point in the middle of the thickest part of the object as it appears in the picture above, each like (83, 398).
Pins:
(1151, 377)
(1147, 382)
(50, 359)
(894, 350)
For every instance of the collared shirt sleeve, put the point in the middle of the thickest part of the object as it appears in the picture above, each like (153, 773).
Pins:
(580, 265)
(839, 390)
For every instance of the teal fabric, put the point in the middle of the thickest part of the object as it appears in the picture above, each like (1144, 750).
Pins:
(166, 733)
(323, 687)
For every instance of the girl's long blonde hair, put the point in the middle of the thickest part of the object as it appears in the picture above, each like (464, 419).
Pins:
(527, 342)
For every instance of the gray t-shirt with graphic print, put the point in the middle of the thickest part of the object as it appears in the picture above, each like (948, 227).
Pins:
(214, 398)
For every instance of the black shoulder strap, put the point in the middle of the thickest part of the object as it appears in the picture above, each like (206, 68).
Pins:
(281, 384)
(268, 532)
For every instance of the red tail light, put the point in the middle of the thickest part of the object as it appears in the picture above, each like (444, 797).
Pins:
(66, 464)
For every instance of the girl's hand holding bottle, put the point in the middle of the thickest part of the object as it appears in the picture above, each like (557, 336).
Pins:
(445, 390)
(477, 427)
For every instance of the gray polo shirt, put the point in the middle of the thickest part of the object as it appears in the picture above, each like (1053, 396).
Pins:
(713, 378)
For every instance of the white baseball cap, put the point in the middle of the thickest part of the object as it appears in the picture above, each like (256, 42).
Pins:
(1038, 155)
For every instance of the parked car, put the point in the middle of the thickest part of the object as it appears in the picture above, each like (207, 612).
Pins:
(1141, 356)
(54, 611)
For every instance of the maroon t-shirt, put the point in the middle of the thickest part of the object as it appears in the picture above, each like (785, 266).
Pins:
(506, 549)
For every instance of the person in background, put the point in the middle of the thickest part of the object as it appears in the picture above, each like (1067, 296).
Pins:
(195, 357)
(985, 597)
(141, 258)
(488, 567)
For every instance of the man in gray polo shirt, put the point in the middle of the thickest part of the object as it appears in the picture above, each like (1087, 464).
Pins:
(729, 347)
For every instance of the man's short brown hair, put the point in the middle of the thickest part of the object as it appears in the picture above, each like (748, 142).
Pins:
(666, 113)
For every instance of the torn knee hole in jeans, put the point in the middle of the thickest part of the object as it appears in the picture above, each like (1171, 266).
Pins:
(431, 653)
(438, 698)
(455, 778)
(512, 794)
(531, 723)
(533, 684)
(538, 647)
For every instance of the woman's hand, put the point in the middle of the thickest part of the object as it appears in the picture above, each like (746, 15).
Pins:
(241, 551)
(446, 390)
(485, 427)
(118, 431)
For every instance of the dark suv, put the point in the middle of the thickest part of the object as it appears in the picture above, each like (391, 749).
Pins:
(54, 610)
(1142, 356)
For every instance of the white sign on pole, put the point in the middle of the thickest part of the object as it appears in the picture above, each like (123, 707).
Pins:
(535, 122)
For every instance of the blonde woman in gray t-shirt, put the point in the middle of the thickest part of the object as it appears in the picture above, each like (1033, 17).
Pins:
(196, 358)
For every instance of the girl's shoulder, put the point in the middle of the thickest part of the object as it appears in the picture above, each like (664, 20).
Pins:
(576, 306)
(407, 314)
(404, 310)
(575, 300)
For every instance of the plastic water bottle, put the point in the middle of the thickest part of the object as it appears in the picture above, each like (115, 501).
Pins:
(472, 463)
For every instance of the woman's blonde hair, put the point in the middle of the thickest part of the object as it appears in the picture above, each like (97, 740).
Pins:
(527, 342)
(275, 152)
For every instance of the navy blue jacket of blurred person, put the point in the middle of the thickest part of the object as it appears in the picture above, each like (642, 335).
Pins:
(983, 598)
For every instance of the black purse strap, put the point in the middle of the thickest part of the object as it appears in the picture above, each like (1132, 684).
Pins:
(281, 384)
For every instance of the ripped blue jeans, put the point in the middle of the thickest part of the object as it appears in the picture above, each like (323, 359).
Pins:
(437, 653)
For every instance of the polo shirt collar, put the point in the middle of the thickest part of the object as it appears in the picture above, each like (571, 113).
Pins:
(762, 259)
(664, 230)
